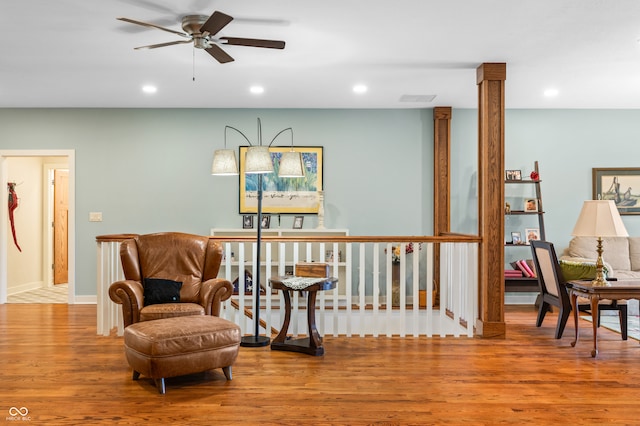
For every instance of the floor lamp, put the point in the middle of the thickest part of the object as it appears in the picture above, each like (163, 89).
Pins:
(258, 161)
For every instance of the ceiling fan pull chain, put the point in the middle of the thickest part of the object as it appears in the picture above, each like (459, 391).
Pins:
(193, 64)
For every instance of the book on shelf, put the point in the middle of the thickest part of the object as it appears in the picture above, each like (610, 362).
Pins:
(512, 273)
(523, 266)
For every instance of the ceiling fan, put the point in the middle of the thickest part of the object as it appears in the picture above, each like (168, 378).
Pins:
(201, 30)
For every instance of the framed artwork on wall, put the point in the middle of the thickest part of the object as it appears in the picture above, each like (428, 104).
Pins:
(283, 195)
(247, 221)
(297, 222)
(622, 185)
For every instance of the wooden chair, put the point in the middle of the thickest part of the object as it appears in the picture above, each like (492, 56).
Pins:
(553, 290)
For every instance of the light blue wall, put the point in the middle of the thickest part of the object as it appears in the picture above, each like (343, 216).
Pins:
(149, 170)
(567, 145)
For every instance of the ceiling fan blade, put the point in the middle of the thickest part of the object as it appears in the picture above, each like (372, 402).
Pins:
(170, 43)
(215, 23)
(146, 24)
(254, 42)
(219, 54)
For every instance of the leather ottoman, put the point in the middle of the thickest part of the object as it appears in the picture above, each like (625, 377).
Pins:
(178, 346)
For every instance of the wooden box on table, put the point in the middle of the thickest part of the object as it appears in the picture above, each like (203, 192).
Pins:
(312, 270)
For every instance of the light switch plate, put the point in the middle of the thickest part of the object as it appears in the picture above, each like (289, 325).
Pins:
(95, 216)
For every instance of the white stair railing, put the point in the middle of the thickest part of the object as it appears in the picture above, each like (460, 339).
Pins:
(375, 296)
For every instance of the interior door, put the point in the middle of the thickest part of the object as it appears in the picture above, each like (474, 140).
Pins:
(60, 226)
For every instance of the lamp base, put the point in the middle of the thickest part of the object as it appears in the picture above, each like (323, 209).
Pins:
(600, 283)
(600, 280)
(254, 341)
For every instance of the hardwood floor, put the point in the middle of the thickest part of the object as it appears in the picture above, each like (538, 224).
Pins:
(55, 365)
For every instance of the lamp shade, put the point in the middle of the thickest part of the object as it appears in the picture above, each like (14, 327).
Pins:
(291, 165)
(258, 160)
(224, 163)
(599, 218)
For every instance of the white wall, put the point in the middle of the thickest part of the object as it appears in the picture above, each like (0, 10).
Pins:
(24, 269)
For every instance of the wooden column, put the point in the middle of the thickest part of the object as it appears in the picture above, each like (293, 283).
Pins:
(490, 80)
(441, 169)
(441, 183)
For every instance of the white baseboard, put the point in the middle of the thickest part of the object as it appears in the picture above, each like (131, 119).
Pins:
(35, 285)
(520, 298)
(85, 300)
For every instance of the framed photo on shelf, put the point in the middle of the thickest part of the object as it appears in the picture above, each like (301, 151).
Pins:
(531, 234)
(266, 221)
(531, 205)
(622, 185)
(516, 238)
(297, 222)
(247, 221)
(513, 175)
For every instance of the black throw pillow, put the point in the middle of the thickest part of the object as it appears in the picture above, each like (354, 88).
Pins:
(158, 290)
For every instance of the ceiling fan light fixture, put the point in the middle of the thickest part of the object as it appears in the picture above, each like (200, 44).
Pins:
(200, 42)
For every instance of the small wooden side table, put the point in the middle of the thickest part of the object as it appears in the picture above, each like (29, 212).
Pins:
(311, 345)
(616, 290)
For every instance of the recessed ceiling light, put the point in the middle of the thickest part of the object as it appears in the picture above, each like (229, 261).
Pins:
(360, 88)
(149, 89)
(550, 93)
(256, 90)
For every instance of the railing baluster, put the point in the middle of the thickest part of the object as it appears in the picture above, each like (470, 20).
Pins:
(388, 296)
(320, 319)
(266, 316)
(295, 316)
(361, 289)
(415, 268)
(375, 299)
(430, 288)
(336, 292)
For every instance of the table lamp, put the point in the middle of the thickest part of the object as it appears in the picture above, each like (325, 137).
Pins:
(599, 218)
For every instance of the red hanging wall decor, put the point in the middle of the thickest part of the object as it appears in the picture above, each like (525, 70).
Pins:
(13, 204)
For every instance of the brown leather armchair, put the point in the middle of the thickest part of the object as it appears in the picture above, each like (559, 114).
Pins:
(178, 271)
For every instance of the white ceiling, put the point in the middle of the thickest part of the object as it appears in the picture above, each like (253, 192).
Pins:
(74, 53)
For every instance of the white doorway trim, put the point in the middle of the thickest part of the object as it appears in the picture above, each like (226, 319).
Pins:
(4, 216)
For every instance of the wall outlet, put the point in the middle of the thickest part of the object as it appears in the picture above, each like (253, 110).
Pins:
(95, 216)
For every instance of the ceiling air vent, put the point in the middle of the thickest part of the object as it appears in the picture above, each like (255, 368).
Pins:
(417, 98)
